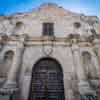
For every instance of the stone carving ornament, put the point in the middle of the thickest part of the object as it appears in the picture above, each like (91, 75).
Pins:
(47, 49)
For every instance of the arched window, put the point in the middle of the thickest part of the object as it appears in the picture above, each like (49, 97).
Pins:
(77, 25)
(88, 65)
(8, 59)
(19, 26)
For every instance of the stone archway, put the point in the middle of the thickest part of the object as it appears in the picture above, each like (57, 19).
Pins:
(47, 81)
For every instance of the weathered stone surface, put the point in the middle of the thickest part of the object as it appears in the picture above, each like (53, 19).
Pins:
(31, 22)
(74, 35)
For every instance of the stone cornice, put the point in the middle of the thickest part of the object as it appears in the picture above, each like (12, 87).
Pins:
(46, 40)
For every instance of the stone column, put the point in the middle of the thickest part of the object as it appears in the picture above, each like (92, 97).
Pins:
(77, 62)
(83, 85)
(11, 83)
(97, 49)
(68, 86)
(97, 54)
(95, 63)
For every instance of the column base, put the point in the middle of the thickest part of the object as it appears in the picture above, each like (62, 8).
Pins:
(70, 95)
(84, 88)
(9, 87)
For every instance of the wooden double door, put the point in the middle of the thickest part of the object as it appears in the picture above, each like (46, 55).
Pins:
(47, 81)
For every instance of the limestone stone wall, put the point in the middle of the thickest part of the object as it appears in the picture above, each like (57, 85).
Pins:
(21, 33)
(64, 54)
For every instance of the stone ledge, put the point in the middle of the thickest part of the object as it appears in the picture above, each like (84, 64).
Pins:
(8, 88)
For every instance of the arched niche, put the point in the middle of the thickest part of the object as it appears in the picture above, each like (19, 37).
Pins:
(88, 65)
(18, 28)
(7, 62)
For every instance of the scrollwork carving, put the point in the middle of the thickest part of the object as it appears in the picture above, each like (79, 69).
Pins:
(47, 49)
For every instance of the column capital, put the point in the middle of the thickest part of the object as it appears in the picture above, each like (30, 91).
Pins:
(23, 38)
(75, 47)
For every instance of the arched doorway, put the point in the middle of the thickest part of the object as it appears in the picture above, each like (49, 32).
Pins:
(47, 81)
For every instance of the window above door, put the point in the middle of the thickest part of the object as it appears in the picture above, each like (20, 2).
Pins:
(48, 29)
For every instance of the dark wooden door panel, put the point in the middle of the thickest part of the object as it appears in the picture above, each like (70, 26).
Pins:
(47, 82)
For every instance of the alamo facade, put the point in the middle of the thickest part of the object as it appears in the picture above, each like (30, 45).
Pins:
(50, 53)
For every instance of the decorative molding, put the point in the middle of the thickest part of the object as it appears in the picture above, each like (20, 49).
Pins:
(66, 41)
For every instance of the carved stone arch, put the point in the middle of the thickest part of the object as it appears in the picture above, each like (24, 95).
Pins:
(47, 80)
(7, 62)
(48, 58)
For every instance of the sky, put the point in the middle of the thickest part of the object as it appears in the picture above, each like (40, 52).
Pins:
(88, 7)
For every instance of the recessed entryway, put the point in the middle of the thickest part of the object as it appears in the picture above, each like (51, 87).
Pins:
(47, 81)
